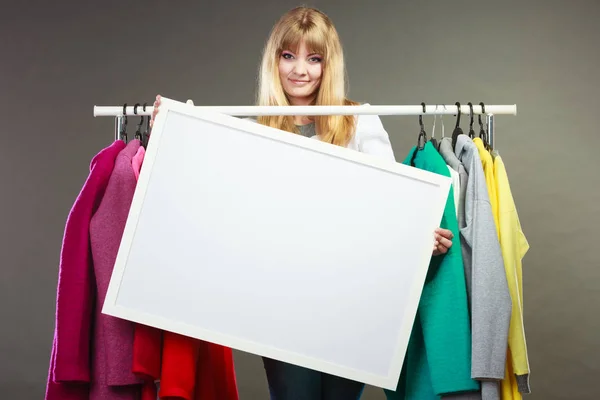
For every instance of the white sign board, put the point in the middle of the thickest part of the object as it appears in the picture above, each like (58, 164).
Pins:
(276, 244)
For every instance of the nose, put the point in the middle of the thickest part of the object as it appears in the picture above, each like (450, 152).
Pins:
(300, 67)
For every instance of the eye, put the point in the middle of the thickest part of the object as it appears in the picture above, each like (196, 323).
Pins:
(287, 56)
(316, 59)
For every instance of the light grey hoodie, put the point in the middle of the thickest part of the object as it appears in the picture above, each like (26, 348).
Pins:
(486, 279)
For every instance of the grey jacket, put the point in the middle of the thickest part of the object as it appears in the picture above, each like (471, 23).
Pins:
(490, 299)
(447, 153)
(490, 389)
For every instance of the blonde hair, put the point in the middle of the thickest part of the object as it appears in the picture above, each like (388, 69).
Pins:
(320, 36)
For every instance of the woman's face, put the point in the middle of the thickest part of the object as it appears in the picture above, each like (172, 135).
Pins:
(300, 74)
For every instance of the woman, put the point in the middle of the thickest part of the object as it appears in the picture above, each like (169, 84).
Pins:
(303, 64)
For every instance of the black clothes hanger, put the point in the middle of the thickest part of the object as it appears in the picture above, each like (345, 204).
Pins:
(124, 124)
(422, 137)
(457, 129)
(146, 134)
(138, 133)
(471, 131)
(483, 135)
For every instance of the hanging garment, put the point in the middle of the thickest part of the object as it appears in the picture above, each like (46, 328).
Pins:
(447, 153)
(69, 372)
(193, 369)
(137, 161)
(490, 392)
(484, 267)
(147, 340)
(514, 246)
(455, 187)
(438, 359)
(215, 377)
(113, 337)
(487, 164)
(179, 366)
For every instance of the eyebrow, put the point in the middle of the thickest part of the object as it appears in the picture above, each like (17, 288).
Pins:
(309, 55)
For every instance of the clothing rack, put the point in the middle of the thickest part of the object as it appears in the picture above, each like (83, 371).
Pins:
(432, 109)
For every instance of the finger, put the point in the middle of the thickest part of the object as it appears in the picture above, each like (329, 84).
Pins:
(445, 233)
(444, 242)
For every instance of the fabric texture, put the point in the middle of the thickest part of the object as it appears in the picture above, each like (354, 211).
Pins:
(484, 266)
(137, 161)
(193, 369)
(308, 130)
(179, 366)
(487, 164)
(215, 373)
(113, 337)
(438, 359)
(514, 246)
(69, 373)
(455, 187)
(447, 153)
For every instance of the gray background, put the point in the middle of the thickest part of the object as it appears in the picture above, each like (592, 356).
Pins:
(59, 59)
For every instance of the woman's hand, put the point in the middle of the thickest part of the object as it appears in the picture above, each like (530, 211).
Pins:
(156, 107)
(155, 110)
(443, 241)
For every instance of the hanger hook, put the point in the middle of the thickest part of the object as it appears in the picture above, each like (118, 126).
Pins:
(471, 114)
(482, 113)
(482, 133)
(138, 131)
(135, 112)
(124, 124)
(457, 104)
(147, 119)
(422, 134)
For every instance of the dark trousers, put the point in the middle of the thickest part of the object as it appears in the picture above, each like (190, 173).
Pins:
(291, 382)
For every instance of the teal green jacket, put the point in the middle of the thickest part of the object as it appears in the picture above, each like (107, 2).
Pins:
(438, 358)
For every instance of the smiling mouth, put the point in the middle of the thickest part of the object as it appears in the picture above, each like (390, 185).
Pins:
(297, 81)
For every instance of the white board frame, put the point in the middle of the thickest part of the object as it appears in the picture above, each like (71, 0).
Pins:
(111, 306)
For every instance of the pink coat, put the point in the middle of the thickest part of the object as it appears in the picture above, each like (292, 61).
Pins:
(70, 365)
(113, 337)
(90, 347)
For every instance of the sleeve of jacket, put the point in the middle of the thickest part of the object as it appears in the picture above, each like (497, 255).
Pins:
(514, 246)
(179, 365)
(372, 138)
(490, 298)
(75, 298)
(63, 391)
(443, 307)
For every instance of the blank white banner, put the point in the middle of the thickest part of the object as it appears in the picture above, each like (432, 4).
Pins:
(277, 245)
